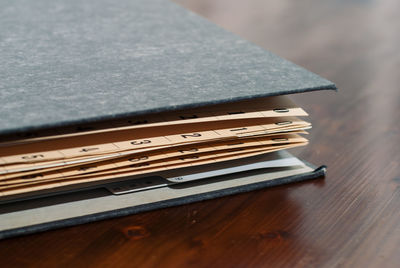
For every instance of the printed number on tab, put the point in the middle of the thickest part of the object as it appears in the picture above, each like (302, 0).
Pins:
(189, 150)
(189, 157)
(30, 157)
(191, 135)
(141, 158)
(85, 150)
(239, 129)
(86, 168)
(140, 165)
(140, 142)
(233, 144)
(30, 177)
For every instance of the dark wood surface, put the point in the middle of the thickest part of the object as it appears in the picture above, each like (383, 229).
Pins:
(350, 219)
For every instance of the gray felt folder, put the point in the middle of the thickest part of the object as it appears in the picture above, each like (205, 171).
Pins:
(110, 108)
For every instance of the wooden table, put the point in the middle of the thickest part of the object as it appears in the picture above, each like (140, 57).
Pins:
(350, 219)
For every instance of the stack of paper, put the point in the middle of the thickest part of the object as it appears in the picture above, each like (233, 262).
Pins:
(158, 142)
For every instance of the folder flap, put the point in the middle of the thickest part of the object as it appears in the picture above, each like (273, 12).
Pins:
(71, 62)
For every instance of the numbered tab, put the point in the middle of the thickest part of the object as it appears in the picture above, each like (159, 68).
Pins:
(189, 150)
(132, 160)
(238, 130)
(137, 159)
(33, 157)
(88, 168)
(194, 136)
(142, 143)
(283, 111)
(238, 143)
(89, 150)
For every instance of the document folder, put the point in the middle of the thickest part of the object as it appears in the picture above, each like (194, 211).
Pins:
(112, 108)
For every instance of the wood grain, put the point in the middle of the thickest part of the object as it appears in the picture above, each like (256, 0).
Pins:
(350, 219)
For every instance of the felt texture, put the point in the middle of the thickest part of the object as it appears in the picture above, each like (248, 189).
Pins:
(65, 62)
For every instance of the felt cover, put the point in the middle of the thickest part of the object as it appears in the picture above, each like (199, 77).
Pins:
(65, 62)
